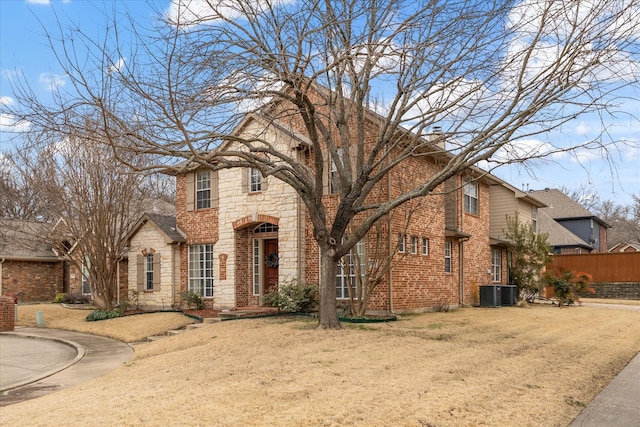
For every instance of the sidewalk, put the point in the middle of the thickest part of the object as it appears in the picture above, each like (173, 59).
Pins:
(618, 404)
(54, 359)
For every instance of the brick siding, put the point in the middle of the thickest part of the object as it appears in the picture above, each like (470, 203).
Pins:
(32, 281)
(7, 314)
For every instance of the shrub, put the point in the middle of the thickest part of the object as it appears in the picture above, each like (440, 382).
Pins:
(192, 299)
(60, 297)
(76, 299)
(133, 299)
(103, 315)
(566, 284)
(292, 297)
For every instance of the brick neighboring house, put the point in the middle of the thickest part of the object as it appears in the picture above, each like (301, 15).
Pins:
(245, 233)
(572, 228)
(29, 269)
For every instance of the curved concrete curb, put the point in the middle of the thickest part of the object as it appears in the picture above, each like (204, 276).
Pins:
(80, 352)
(95, 356)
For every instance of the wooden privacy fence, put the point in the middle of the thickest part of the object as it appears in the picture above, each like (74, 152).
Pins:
(604, 268)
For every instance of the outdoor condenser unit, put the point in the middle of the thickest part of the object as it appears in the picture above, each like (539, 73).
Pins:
(490, 296)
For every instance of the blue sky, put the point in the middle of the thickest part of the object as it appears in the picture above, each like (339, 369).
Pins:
(24, 48)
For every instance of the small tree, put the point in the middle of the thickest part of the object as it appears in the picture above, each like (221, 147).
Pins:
(530, 252)
(567, 284)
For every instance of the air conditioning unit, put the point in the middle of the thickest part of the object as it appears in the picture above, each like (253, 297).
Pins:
(490, 296)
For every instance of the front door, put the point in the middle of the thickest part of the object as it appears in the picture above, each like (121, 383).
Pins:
(271, 263)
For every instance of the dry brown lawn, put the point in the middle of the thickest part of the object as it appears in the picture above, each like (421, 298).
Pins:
(536, 366)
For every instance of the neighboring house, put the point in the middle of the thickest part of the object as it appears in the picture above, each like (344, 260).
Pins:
(28, 267)
(507, 202)
(626, 247)
(31, 269)
(587, 232)
(238, 234)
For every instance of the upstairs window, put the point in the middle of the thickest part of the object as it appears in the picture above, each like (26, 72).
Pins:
(401, 248)
(425, 246)
(203, 190)
(471, 197)
(534, 219)
(255, 180)
(333, 175)
(414, 244)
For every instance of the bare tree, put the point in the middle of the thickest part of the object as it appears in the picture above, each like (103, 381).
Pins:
(19, 199)
(623, 219)
(490, 75)
(93, 201)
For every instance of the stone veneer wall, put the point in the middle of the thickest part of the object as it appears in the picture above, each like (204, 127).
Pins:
(247, 210)
(168, 296)
(626, 290)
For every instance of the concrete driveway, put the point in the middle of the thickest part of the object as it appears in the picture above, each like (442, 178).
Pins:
(38, 361)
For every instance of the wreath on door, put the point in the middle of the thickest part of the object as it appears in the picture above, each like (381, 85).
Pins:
(272, 260)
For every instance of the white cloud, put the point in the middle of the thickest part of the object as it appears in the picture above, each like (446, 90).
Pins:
(114, 68)
(6, 100)
(527, 149)
(190, 13)
(42, 2)
(582, 128)
(597, 33)
(8, 123)
(52, 81)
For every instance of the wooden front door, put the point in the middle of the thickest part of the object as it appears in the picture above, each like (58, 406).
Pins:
(271, 263)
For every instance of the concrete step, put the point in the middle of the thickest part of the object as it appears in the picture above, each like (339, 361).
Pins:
(195, 326)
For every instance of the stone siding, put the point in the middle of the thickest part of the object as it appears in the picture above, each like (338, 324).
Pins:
(628, 290)
(240, 212)
(149, 236)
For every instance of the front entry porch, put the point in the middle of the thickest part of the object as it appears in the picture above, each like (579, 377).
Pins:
(257, 263)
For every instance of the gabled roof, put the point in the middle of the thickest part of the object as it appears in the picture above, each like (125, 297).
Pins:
(166, 224)
(558, 235)
(622, 247)
(22, 241)
(561, 206)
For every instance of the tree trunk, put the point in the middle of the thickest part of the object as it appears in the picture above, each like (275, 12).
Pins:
(328, 315)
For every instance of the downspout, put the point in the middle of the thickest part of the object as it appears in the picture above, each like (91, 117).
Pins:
(177, 256)
(461, 252)
(1, 262)
(118, 280)
(461, 270)
(390, 239)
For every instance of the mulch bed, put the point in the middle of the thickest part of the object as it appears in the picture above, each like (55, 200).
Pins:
(202, 314)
